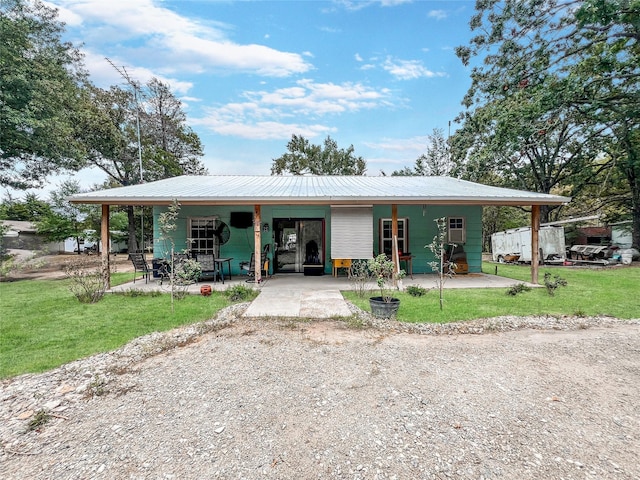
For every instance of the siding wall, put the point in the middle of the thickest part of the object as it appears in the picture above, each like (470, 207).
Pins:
(422, 229)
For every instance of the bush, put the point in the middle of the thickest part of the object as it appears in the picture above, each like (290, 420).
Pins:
(416, 290)
(553, 283)
(239, 293)
(360, 277)
(519, 288)
(87, 283)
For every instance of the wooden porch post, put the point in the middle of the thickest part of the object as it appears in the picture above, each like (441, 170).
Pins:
(535, 242)
(394, 237)
(257, 237)
(104, 244)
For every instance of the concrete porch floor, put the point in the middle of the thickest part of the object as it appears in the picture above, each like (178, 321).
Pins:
(296, 295)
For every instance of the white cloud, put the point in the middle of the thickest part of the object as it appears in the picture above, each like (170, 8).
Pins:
(358, 57)
(355, 5)
(409, 69)
(265, 114)
(185, 43)
(437, 14)
(104, 74)
(411, 147)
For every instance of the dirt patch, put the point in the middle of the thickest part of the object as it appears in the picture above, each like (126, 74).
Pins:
(48, 267)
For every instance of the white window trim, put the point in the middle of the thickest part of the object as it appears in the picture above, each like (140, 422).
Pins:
(190, 244)
(404, 239)
(457, 236)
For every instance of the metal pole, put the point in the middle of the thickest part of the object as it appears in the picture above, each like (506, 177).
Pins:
(123, 73)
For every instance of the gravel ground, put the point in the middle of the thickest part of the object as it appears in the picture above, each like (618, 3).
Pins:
(521, 398)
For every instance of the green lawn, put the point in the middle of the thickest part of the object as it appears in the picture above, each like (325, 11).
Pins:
(42, 325)
(612, 291)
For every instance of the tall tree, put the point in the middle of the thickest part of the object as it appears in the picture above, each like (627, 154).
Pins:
(31, 209)
(434, 162)
(169, 147)
(40, 78)
(587, 55)
(65, 220)
(305, 158)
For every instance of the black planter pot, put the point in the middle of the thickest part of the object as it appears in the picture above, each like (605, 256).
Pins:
(382, 309)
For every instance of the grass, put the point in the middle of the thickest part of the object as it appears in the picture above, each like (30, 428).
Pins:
(43, 326)
(605, 291)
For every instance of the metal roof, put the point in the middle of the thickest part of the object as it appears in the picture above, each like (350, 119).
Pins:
(306, 190)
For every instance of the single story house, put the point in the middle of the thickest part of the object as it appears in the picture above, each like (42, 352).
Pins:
(320, 220)
(23, 235)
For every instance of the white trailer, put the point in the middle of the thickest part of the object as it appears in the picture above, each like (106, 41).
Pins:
(515, 244)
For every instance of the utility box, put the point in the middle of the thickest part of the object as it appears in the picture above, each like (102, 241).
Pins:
(514, 245)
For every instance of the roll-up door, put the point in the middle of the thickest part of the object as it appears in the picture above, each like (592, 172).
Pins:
(352, 232)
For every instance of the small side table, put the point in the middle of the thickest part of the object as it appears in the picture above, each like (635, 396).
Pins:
(221, 262)
(408, 259)
(341, 263)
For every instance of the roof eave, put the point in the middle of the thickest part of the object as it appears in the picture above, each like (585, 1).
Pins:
(493, 201)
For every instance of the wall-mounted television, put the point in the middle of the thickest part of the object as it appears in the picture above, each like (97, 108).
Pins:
(241, 219)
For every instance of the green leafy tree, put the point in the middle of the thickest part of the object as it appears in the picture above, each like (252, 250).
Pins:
(327, 159)
(66, 220)
(31, 209)
(169, 147)
(578, 61)
(435, 161)
(40, 83)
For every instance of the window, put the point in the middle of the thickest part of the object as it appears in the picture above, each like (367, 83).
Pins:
(201, 234)
(386, 237)
(457, 232)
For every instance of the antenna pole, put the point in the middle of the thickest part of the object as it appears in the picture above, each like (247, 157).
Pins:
(124, 74)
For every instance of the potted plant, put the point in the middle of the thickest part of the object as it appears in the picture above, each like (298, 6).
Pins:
(384, 271)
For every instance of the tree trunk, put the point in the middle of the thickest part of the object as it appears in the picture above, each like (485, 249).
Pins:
(635, 210)
(133, 240)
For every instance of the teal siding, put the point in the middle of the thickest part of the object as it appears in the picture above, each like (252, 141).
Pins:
(421, 229)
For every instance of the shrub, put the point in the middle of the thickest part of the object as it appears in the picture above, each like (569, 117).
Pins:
(416, 290)
(360, 277)
(552, 284)
(87, 282)
(384, 271)
(239, 293)
(518, 288)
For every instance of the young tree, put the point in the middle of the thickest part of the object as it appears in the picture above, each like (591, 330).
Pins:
(305, 158)
(40, 78)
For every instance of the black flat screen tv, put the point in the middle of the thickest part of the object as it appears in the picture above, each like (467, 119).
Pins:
(241, 219)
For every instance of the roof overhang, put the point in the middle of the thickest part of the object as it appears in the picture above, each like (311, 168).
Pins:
(315, 190)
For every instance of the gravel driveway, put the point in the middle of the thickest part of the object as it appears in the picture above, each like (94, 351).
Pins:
(540, 398)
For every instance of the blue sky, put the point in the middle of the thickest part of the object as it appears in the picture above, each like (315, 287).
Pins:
(378, 75)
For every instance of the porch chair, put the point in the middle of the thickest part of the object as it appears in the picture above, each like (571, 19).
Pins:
(250, 266)
(209, 266)
(140, 265)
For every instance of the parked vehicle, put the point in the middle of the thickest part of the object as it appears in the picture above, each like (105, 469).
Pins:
(515, 245)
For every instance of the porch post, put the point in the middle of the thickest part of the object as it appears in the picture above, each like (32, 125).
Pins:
(257, 237)
(535, 243)
(104, 244)
(394, 237)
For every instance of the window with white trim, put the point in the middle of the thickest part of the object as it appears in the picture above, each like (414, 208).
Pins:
(386, 235)
(201, 235)
(457, 232)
